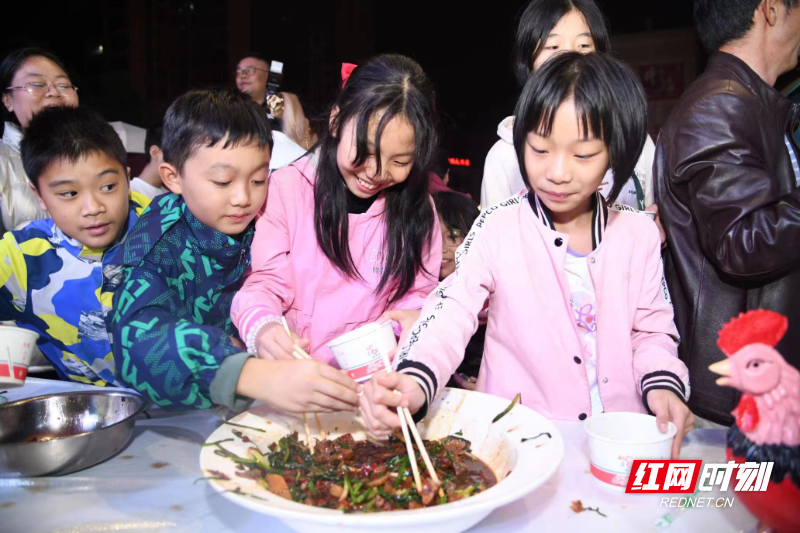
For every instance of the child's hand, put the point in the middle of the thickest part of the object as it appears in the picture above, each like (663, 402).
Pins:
(379, 403)
(669, 408)
(273, 343)
(298, 386)
(406, 319)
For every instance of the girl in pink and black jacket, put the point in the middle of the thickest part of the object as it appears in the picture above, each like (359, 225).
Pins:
(349, 234)
(578, 321)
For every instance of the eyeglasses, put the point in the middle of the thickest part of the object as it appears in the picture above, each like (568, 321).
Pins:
(452, 238)
(249, 71)
(39, 88)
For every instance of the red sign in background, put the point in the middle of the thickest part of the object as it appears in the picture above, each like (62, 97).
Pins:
(662, 82)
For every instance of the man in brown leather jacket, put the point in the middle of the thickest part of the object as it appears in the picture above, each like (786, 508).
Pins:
(727, 188)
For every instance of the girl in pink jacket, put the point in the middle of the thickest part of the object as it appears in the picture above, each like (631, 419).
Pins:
(348, 232)
(578, 322)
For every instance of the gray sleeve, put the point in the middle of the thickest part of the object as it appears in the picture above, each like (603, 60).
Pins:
(223, 387)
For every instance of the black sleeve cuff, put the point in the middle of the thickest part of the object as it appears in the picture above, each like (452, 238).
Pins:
(426, 380)
(419, 416)
(663, 380)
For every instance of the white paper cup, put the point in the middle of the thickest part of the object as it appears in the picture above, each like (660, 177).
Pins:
(617, 439)
(360, 351)
(16, 351)
(651, 214)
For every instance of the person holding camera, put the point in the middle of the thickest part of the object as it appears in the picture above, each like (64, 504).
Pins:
(253, 78)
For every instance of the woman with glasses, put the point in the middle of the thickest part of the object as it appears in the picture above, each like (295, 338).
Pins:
(31, 79)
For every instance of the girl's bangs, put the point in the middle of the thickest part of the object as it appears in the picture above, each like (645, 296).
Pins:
(590, 118)
(542, 113)
(362, 132)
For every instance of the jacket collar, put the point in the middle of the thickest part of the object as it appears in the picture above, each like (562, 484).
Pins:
(599, 215)
(12, 135)
(770, 97)
(170, 209)
(212, 243)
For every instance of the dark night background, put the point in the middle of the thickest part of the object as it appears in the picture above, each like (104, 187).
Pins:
(153, 50)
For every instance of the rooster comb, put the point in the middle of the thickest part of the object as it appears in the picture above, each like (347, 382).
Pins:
(753, 327)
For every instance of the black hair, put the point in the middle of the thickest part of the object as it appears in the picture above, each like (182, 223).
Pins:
(609, 101)
(206, 117)
(153, 138)
(12, 63)
(67, 133)
(397, 87)
(719, 22)
(254, 55)
(440, 164)
(538, 20)
(458, 211)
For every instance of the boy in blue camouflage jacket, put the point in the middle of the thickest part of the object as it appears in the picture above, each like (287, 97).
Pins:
(185, 259)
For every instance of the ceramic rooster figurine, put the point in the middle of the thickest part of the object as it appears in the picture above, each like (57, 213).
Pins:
(767, 427)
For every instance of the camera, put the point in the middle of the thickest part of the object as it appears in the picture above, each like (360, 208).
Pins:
(274, 77)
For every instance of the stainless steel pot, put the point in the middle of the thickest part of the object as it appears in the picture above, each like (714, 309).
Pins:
(62, 433)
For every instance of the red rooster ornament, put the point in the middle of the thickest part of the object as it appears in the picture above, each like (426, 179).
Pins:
(767, 427)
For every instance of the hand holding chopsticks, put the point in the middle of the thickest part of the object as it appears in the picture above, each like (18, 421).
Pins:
(406, 424)
(275, 342)
(299, 353)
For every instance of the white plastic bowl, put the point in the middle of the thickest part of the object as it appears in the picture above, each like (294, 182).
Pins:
(617, 439)
(521, 467)
(16, 351)
(360, 352)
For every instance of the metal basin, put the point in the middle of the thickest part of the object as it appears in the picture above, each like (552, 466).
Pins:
(62, 433)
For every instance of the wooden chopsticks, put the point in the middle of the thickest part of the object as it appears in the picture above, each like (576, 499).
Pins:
(406, 423)
(299, 353)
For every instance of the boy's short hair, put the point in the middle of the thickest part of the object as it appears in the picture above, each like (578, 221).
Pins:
(205, 117)
(70, 133)
(153, 138)
(440, 164)
(458, 211)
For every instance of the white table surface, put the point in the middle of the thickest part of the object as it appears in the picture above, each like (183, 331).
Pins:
(150, 486)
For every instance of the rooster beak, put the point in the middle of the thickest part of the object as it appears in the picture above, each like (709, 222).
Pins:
(723, 368)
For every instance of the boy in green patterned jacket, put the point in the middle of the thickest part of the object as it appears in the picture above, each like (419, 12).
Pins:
(185, 259)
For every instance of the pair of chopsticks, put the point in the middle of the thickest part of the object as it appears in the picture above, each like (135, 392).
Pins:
(299, 353)
(406, 423)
